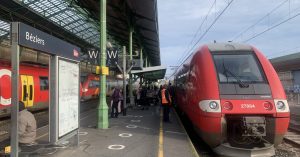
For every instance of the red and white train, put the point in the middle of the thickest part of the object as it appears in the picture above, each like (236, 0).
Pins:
(234, 99)
(34, 86)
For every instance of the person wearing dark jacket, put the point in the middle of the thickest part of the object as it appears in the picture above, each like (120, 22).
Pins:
(171, 90)
(166, 103)
(116, 97)
(144, 97)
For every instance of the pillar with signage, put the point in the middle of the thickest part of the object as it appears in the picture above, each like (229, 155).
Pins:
(64, 76)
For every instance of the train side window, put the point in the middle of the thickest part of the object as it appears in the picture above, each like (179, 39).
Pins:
(94, 84)
(31, 92)
(24, 92)
(91, 84)
(83, 79)
(44, 83)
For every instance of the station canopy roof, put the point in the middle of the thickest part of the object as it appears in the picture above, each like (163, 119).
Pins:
(287, 62)
(151, 73)
(77, 21)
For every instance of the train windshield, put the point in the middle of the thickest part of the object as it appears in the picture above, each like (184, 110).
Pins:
(238, 68)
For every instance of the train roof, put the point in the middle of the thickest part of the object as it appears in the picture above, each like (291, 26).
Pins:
(228, 47)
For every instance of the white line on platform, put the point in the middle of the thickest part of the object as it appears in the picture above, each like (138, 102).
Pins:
(175, 132)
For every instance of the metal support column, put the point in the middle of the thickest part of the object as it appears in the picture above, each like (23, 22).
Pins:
(15, 56)
(124, 81)
(102, 107)
(141, 55)
(141, 60)
(130, 75)
(53, 101)
(146, 64)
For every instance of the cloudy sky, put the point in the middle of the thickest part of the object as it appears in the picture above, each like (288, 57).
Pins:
(180, 21)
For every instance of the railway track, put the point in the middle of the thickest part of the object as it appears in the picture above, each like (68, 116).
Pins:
(6, 116)
(288, 148)
(293, 137)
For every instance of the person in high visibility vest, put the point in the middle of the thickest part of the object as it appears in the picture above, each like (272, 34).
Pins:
(166, 103)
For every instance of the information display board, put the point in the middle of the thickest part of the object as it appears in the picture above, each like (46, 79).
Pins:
(68, 96)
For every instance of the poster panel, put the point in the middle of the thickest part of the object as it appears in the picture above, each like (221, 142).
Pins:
(68, 96)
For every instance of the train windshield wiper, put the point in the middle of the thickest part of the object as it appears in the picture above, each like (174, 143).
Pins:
(241, 83)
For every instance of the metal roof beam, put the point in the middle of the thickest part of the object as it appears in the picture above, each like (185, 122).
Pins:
(29, 2)
(146, 29)
(56, 13)
(150, 44)
(30, 18)
(4, 30)
(146, 38)
(72, 22)
(143, 17)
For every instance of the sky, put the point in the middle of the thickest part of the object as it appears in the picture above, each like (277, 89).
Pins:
(276, 23)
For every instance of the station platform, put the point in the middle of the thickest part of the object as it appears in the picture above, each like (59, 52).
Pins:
(141, 133)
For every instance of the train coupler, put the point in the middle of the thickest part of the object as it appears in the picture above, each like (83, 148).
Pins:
(254, 126)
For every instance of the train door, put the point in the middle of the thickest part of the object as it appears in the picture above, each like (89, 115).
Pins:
(27, 90)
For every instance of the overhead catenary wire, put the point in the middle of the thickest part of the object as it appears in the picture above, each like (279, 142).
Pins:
(272, 27)
(190, 52)
(205, 32)
(258, 21)
(197, 31)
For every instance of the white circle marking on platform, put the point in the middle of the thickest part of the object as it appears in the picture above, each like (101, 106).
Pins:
(116, 147)
(136, 121)
(141, 116)
(125, 135)
(131, 126)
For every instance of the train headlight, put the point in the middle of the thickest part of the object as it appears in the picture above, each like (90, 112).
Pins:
(210, 106)
(213, 105)
(281, 105)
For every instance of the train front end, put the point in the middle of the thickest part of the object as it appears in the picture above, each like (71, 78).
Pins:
(254, 113)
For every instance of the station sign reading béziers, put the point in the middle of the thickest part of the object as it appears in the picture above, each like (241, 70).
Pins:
(38, 40)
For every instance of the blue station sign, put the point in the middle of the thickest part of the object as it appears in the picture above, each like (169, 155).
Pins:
(33, 38)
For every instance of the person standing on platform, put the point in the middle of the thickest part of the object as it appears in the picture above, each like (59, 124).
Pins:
(172, 94)
(159, 93)
(143, 97)
(26, 126)
(120, 103)
(138, 96)
(166, 103)
(115, 98)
